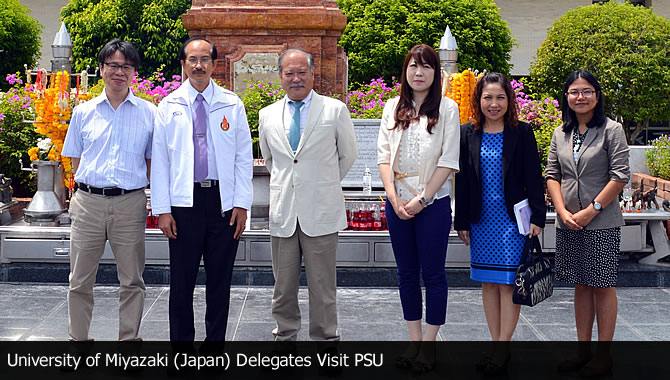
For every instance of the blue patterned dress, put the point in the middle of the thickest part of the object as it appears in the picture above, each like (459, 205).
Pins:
(495, 241)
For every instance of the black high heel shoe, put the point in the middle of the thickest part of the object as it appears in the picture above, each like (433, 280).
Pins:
(425, 360)
(483, 362)
(597, 367)
(494, 369)
(406, 359)
(574, 363)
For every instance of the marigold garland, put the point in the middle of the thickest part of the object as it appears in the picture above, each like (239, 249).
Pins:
(460, 89)
(53, 108)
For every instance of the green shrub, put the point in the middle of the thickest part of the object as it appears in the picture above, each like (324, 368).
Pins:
(625, 47)
(154, 26)
(255, 97)
(658, 157)
(379, 34)
(20, 38)
(16, 137)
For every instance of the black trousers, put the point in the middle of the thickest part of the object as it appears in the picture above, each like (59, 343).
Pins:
(202, 233)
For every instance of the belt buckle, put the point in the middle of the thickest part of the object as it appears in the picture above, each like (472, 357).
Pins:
(206, 183)
(400, 175)
(104, 189)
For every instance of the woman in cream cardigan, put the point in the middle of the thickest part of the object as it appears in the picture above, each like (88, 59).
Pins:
(417, 152)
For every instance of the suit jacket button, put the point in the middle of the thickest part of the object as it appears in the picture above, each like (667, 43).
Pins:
(295, 161)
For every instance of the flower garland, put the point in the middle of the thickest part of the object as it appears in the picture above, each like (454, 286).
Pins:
(52, 97)
(460, 89)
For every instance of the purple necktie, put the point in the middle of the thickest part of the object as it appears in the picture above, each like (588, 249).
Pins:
(200, 140)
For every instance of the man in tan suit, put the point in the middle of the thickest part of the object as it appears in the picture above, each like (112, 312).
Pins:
(308, 143)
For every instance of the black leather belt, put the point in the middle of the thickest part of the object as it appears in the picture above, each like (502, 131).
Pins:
(107, 191)
(208, 183)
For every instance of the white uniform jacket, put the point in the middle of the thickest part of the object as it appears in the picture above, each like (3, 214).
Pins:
(172, 151)
(305, 186)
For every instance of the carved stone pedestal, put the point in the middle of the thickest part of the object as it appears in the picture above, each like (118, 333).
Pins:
(250, 34)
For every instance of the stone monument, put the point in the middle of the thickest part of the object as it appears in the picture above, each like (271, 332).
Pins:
(250, 34)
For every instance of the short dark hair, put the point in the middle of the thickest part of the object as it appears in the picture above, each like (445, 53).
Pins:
(570, 122)
(125, 47)
(511, 118)
(182, 51)
(310, 58)
(405, 112)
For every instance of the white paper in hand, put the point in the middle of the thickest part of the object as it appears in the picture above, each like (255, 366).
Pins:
(523, 213)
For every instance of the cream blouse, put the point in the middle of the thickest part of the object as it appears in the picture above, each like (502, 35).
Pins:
(414, 150)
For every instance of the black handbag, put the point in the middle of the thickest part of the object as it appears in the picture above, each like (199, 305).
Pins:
(532, 282)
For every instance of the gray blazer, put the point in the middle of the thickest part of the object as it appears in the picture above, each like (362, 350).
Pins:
(603, 158)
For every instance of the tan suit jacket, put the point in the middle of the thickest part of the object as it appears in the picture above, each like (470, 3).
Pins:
(305, 186)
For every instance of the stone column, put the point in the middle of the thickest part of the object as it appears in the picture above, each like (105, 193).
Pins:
(250, 34)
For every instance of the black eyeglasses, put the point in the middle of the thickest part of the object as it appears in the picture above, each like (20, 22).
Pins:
(116, 66)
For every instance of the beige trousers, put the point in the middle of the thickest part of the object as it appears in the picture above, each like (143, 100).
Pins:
(96, 219)
(319, 256)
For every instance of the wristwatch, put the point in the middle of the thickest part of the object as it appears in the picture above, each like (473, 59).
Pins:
(424, 202)
(596, 205)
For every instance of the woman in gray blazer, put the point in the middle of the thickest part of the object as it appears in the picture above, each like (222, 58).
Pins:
(587, 167)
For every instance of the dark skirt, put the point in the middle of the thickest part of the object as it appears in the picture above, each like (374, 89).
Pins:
(588, 257)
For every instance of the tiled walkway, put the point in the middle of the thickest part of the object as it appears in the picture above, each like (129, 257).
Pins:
(39, 312)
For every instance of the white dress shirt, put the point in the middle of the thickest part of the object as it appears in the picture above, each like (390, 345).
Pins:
(289, 110)
(112, 145)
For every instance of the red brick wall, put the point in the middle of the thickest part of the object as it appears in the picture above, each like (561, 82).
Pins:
(311, 25)
(650, 182)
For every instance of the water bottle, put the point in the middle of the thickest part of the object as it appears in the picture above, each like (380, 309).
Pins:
(367, 181)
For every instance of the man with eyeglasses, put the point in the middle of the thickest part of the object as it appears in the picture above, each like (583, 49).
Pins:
(309, 145)
(109, 142)
(201, 189)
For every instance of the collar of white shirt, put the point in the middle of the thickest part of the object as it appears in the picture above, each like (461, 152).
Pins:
(306, 101)
(208, 93)
(103, 98)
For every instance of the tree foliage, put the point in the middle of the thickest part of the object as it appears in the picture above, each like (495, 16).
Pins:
(20, 40)
(379, 34)
(154, 26)
(626, 47)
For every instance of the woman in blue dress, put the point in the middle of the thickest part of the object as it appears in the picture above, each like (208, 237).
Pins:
(500, 167)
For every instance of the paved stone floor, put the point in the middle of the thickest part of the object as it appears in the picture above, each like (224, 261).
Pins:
(39, 312)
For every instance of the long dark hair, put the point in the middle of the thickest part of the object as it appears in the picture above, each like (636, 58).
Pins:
(405, 112)
(570, 121)
(511, 117)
